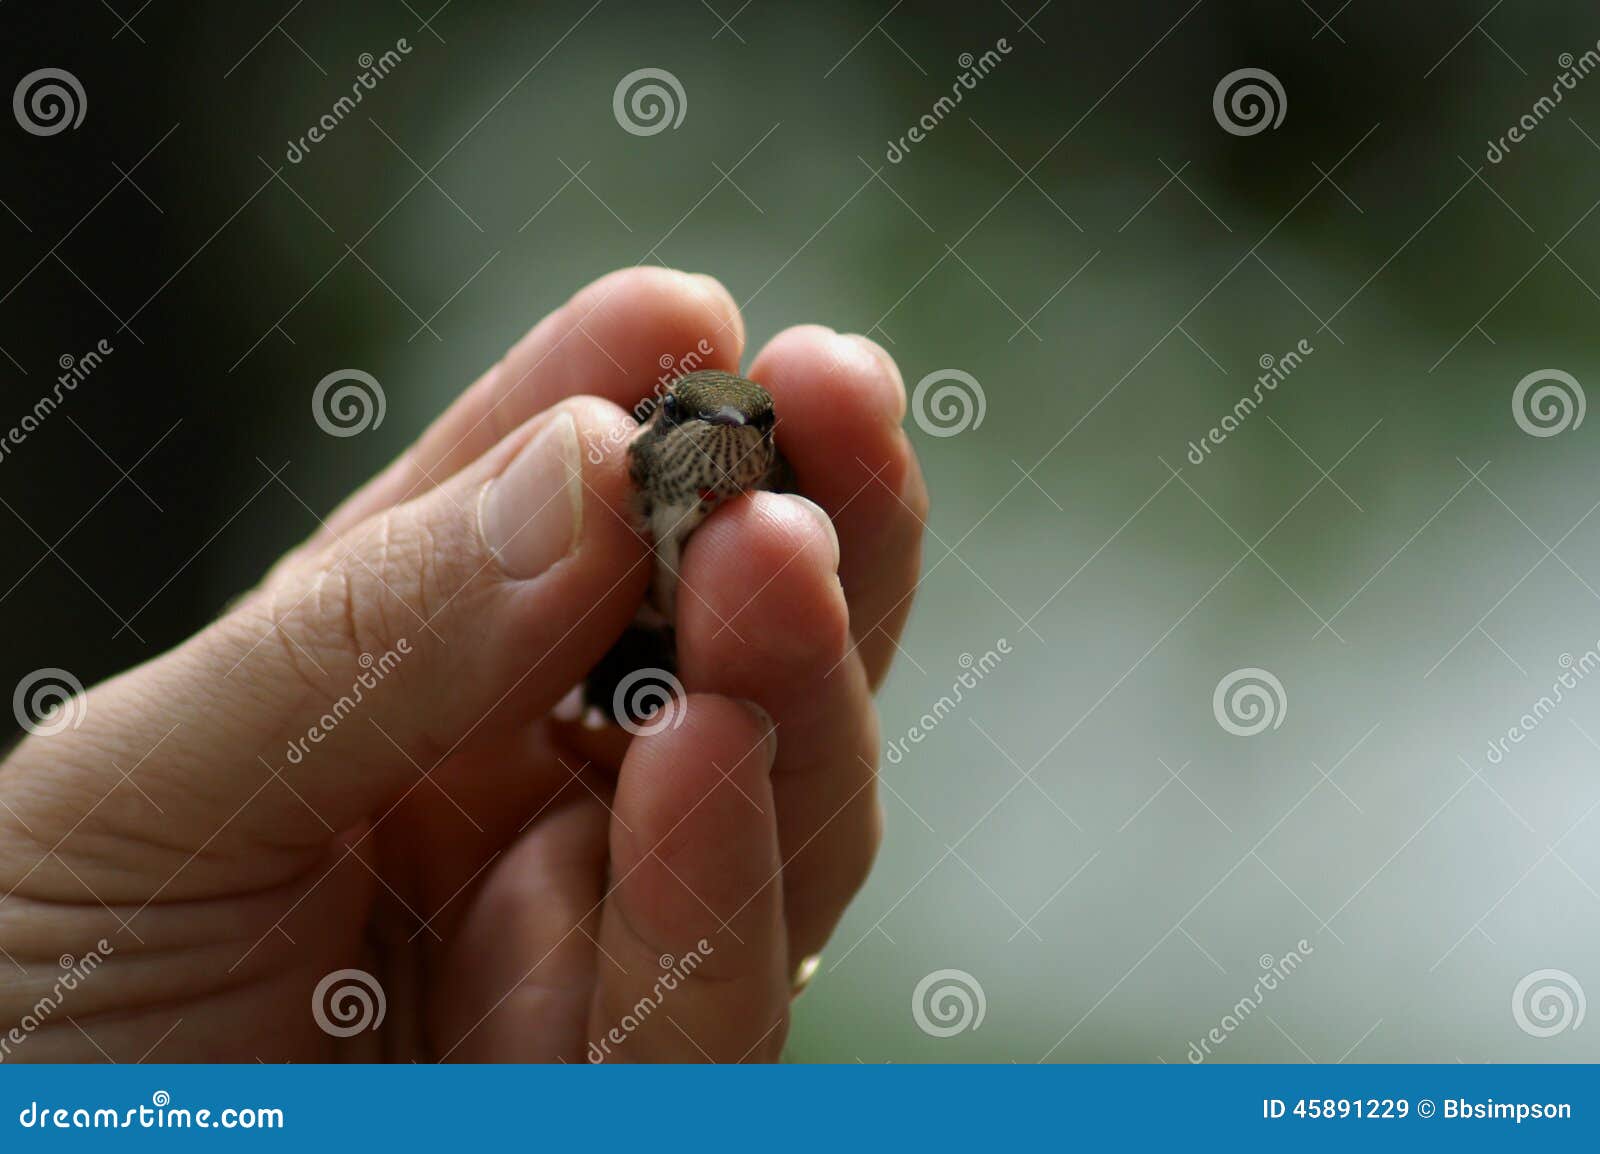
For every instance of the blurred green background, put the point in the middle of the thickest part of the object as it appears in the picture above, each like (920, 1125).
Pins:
(1079, 836)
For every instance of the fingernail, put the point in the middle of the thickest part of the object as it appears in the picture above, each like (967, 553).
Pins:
(530, 516)
(821, 518)
(768, 727)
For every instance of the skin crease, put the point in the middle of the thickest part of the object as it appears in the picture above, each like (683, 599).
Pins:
(512, 880)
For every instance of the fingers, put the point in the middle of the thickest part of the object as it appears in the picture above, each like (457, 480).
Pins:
(769, 621)
(692, 955)
(840, 401)
(518, 980)
(358, 668)
(615, 339)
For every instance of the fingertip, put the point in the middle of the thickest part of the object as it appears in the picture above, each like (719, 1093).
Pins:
(604, 431)
(669, 767)
(841, 369)
(672, 317)
(819, 517)
(721, 301)
(769, 728)
(913, 483)
(895, 396)
(762, 573)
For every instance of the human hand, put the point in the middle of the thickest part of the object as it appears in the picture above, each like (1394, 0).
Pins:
(518, 885)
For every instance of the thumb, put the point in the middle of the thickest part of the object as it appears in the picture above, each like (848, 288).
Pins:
(356, 668)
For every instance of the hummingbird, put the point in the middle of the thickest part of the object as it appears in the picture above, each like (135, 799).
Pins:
(704, 441)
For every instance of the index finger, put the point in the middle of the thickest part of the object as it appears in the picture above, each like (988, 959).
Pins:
(614, 339)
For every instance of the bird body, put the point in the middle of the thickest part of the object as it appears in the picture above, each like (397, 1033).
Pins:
(707, 439)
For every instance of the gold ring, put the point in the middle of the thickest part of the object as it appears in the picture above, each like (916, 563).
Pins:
(803, 973)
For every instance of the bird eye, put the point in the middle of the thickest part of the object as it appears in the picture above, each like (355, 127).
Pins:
(669, 407)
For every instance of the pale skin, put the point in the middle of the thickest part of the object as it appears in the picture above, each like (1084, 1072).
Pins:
(516, 902)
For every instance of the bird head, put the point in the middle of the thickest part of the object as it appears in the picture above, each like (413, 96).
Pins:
(713, 432)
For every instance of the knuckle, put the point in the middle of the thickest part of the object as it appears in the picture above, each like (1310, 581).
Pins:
(299, 639)
(378, 586)
(390, 583)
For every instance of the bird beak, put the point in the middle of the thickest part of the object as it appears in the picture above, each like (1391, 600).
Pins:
(727, 415)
